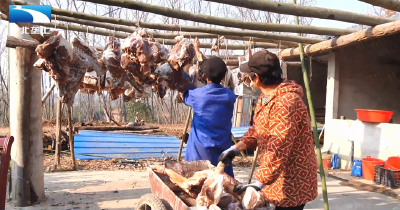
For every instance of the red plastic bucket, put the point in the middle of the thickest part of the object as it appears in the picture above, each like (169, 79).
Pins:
(393, 163)
(327, 161)
(368, 167)
(376, 116)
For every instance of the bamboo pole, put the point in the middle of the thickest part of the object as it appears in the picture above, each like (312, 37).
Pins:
(387, 4)
(173, 13)
(344, 41)
(244, 34)
(313, 122)
(307, 11)
(48, 93)
(71, 136)
(58, 132)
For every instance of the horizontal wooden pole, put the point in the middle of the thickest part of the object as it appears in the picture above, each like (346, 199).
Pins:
(344, 41)
(155, 34)
(173, 13)
(286, 40)
(307, 11)
(14, 42)
(115, 128)
(387, 4)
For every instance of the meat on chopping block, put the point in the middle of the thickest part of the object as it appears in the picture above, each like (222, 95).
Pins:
(206, 186)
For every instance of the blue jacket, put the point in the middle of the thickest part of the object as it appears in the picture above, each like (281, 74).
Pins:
(210, 132)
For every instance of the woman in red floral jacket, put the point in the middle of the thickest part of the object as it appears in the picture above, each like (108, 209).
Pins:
(287, 176)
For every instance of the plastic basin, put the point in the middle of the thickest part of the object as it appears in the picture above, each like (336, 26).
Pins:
(376, 116)
(368, 167)
(393, 163)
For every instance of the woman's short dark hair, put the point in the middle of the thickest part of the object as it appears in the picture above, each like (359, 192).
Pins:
(272, 79)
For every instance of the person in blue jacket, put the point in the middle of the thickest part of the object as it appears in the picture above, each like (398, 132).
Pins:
(213, 104)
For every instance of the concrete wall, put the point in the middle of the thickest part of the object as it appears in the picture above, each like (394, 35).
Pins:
(367, 80)
(370, 139)
(317, 81)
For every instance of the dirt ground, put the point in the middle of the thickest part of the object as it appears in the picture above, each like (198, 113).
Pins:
(122, 190)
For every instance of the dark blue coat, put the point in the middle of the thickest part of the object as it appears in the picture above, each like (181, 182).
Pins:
(210, 132)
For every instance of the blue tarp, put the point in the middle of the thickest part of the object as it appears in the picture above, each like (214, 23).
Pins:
(124, 145)
(131, 146)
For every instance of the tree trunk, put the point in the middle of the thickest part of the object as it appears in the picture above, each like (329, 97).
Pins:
(25, 125)
(58, 131)
(71, 136)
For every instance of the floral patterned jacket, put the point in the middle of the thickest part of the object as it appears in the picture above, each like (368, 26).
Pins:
(282, 132)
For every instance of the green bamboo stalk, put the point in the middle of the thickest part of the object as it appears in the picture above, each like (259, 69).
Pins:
(313, 122)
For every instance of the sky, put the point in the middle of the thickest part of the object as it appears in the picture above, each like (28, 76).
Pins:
(345, 5)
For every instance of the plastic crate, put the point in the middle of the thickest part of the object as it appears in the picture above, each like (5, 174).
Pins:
(393, 178)
(380, 174)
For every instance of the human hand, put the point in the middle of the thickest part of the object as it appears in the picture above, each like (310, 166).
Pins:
(227, 156)
(242, 187)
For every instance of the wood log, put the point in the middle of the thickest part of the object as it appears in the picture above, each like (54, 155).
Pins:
(14, 42)
(387, 4)
(344, 41)
(25, 124)
(115, 128)
(71, 136)
(48, 93)
(307, 11)
(274, 38)
(173, 13)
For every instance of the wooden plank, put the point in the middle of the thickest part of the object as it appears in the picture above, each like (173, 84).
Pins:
(344, 41)
(173, 13)
(332, 88)
(308, 11)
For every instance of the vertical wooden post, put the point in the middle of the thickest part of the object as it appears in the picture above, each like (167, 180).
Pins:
(284, 70)
(332, 89)
(71, 136)
(25, 124)
(58, 132)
